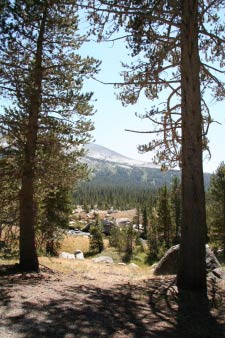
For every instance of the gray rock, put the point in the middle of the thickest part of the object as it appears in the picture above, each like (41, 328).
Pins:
(133, 265)
(211, 260)
(67, 255)
(103, 259)
(79, 255)
(217, 273)
(169, 262)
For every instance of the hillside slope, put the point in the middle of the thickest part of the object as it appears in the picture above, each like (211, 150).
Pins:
(113, 169)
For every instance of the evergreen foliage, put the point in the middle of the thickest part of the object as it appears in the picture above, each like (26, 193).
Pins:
(216, 208)
(176, 209)
(54, 213)
(104, 197)
(115, 237)
(96, 239)
(123, 240)
(152, 235)
(43, 77)
(144, 222)
(113, 174)
(164, 217)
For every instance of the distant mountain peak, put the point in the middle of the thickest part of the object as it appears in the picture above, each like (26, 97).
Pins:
(102, 153)
(109, 168)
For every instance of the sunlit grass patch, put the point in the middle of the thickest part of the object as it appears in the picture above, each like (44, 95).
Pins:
(111, 252)
(88, 270)
(72, 243)
(60, 264)
(95, 271)
(8, 261)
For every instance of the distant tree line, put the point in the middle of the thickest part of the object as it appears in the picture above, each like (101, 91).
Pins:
(158, 211)
(105, 196)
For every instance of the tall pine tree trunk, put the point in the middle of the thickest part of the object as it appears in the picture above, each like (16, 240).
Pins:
(28, 254)
(192, 266)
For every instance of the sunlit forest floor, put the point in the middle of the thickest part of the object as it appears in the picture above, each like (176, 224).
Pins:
(86, 299)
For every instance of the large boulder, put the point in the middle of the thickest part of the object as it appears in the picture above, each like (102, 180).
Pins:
(169, 263)
(103, 259)
(67, 255)
(133, 265)
(212, 262)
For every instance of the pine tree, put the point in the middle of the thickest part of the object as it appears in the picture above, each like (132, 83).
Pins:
(176, 54)
(217, 207)
(54, 217)
(164, 217)
(96, 239)
(9, 189)
(152, 236)
(55, 180)
(129, 239)
(145, 222)
(136, 219)
(43, 77)
(176, 209)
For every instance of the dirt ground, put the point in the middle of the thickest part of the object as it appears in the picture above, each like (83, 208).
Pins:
(111, 303)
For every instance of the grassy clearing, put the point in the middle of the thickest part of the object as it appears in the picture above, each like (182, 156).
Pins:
(8, 261)
(93, 270)
(72, 243)
(111, 252)
(88, 268)
(62, 265)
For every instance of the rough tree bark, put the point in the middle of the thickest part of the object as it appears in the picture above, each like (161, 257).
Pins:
(192, 270)
(28, 254)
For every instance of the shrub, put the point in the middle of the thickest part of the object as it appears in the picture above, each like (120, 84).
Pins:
(96, 240)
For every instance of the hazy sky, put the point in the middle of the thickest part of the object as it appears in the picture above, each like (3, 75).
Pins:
(111, 118)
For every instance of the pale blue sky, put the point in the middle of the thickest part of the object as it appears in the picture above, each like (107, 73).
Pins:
(111, 118)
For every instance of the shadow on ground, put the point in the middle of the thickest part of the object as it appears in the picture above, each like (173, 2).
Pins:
(151, 309)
